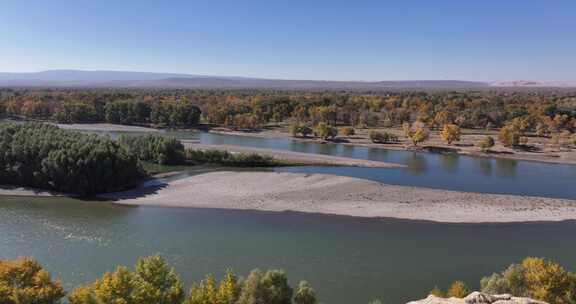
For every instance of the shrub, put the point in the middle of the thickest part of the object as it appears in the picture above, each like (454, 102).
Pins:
(534, 278)
(325, 131)
(382, 137)
(300, 129)
(155, 148)
(486, 143)
(229, 159)
(458, 289)
(347, 131)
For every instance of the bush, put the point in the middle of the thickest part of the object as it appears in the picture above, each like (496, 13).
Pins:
(458, 289)
(382, 137)
(325, 131)
(155, 148)
(486, 143)
(300, 129)
(534, 278)
(347, 131)
(44, 156)
(229, 159)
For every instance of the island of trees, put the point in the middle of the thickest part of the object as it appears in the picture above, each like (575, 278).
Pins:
(44, 156)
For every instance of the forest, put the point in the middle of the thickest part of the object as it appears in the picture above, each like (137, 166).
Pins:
(543, 110)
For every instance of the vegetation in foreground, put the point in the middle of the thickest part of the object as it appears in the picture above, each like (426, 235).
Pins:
(534, 278)
(153, 281)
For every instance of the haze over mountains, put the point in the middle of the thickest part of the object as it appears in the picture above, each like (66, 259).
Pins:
(79, 78)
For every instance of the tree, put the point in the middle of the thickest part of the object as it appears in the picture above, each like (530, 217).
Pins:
(252, 290)
(229, 289)
(204, 293)
(116, 287)
(156, 283)
(347, 131)
(305, 294)
(509, 136)
(451, 133)
(300, 129)
(24, 281)
(325, 131)
(382, 137)
(458, 289)
(277, 290)
(486, 143)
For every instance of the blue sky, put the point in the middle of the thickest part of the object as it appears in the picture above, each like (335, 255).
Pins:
(297, 39)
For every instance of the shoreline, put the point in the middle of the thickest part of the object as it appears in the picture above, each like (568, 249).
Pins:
(345, 196)
(460, 150)
(293, 158)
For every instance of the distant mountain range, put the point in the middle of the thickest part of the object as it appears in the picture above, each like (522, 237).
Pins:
(79, 78)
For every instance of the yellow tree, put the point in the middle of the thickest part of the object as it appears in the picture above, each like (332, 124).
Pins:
(458, 289)
(451, 133)
(24, 280)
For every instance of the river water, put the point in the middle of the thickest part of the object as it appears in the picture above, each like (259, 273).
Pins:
(348, 260)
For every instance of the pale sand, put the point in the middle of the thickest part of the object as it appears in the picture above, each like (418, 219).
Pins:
(294, 157)
(328, 194)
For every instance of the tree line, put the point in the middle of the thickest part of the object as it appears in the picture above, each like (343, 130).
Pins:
(152, 281)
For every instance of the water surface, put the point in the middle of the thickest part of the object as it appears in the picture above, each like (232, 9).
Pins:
(348, 260)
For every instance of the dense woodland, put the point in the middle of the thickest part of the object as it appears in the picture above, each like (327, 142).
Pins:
(548, 110)
(153, 281)
(44, 156)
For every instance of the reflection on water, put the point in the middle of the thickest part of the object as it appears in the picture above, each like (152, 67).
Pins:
(416, 164)
(348, 260)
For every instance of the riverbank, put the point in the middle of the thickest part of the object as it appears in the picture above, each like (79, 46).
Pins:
(338, 195)
(467, 146)
(294, 158)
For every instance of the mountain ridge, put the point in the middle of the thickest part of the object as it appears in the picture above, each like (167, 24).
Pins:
(104, 78)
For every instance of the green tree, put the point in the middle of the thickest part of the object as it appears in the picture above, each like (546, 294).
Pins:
(277, 290)
(253, 292)
(305, 294)
(156, 283)
(325, 131)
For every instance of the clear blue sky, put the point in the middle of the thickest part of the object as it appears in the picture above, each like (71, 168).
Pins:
(296, 39)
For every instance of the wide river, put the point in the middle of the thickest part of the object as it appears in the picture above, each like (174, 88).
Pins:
(348, 260)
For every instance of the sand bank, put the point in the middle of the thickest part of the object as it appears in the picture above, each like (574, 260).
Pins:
(328, 194)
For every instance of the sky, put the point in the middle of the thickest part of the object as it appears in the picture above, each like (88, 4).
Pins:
(485, 40)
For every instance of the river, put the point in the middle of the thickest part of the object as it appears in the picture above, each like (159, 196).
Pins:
(348, 260)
